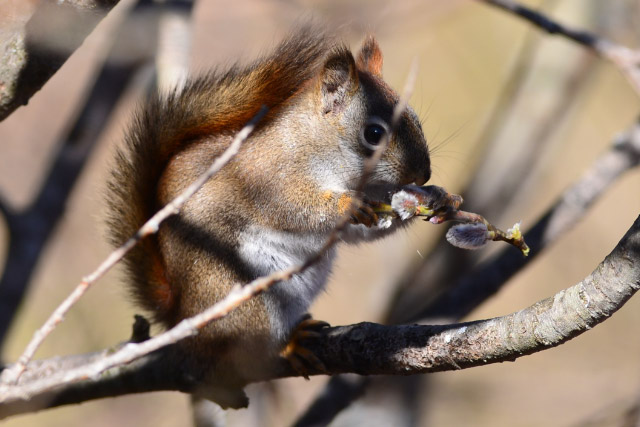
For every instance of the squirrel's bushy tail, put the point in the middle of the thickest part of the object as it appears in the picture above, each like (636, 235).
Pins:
(214, 103)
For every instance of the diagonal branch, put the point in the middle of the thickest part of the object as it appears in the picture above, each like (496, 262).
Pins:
(190, 326)
(151, 226)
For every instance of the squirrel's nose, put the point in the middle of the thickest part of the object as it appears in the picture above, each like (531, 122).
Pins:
(418, 178)
(422, 178)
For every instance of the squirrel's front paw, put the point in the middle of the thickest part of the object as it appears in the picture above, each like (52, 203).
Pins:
(300, 357)
(365, 214)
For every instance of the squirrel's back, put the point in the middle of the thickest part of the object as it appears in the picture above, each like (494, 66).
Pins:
(216, 103)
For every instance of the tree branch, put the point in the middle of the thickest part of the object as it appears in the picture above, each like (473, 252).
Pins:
(372, 349)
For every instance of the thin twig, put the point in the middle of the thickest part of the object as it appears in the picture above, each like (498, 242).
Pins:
(190, 326)
(625, 59)
(151, 226)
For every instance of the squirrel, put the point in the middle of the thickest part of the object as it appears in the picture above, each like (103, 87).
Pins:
(270, 207)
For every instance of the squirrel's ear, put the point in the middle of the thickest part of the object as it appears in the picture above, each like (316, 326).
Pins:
(370, 57)
(339, 80)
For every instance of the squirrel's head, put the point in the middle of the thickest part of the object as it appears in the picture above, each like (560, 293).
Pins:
(356, 108)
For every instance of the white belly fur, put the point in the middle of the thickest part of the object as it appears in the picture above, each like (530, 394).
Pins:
(268, 251)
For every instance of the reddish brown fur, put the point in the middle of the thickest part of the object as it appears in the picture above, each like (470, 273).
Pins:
(370, 58)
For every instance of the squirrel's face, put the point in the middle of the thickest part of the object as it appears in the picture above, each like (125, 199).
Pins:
(357, 108)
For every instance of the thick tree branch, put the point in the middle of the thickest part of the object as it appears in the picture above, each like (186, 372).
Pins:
(150, 373)
(372, 349)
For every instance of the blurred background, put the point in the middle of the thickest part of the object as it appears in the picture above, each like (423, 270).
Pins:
(489, 87)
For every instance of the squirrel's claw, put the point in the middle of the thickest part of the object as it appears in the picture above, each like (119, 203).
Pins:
(300, 357)
(365, 214)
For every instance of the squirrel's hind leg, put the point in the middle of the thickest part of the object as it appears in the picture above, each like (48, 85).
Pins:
(300, 357)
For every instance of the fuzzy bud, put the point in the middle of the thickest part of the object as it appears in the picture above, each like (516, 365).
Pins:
(469, 236)
(404, 204)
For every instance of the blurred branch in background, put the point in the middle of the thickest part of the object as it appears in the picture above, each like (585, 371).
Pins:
(30, 55)
(30, 230)
(173, 52)
(116, 88)
(520, 116)
(625, 59)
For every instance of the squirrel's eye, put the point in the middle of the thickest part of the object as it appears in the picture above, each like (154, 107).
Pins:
(373, 133)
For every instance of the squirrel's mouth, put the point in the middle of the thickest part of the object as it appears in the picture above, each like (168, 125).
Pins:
(381, 191)
(420, 181)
